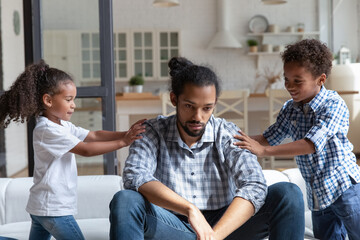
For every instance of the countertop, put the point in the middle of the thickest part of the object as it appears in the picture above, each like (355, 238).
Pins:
(150, 96)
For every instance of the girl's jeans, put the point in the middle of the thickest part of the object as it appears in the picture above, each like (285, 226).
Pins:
(61, 228)
(281, 217)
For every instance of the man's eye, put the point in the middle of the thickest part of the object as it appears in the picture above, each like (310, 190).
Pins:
(187, 105)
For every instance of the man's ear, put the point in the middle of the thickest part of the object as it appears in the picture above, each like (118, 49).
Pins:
(322, 79)
(173, 99)
(47, 100)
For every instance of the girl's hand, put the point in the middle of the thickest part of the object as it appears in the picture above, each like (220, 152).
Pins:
(250, 144)
(134, 132)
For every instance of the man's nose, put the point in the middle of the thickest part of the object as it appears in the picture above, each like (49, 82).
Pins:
(197, 115)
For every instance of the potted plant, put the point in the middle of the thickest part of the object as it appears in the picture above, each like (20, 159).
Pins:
(137, 83)
(253, 45)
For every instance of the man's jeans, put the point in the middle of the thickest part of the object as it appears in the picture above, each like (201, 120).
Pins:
(61, 228)
(281, 217)
(340, 218)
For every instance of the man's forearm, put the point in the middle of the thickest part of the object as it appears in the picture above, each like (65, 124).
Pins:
(238, 212)
(162, 196)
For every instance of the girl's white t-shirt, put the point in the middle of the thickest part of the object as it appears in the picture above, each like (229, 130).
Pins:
(54, 192)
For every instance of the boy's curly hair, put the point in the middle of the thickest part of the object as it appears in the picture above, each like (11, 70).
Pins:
(24, 98)
(312, 54)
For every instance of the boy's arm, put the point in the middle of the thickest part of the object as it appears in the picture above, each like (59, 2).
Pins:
(299, 147)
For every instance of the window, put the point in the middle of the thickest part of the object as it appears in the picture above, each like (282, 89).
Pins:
(121, 55)
(169, 47)
(143, 62)
(90, 56)
(143, 53)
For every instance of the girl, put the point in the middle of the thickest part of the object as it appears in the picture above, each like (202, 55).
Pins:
(49, 94)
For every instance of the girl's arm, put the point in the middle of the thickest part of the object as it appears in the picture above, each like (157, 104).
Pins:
(100, 142)
(262, 148)
(103, 135)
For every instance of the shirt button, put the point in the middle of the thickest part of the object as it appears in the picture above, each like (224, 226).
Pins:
(194, 196)
(192, 173)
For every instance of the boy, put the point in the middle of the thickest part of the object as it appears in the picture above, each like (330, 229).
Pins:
(318, 121)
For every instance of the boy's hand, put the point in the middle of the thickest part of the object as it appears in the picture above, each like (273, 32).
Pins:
(250, 144)
(134, 132)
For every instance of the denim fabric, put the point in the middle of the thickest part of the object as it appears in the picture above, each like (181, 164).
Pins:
(340, 218)
(281, 217)
(61, 228)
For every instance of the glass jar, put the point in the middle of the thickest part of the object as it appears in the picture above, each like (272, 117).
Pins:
(300, 27)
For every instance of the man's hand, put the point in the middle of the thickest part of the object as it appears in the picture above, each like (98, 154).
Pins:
(250, 144)
(201, 227)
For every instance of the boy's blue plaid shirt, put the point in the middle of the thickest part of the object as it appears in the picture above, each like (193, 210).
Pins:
(326, 124)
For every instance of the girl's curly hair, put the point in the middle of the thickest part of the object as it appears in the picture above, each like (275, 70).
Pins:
(24, 98)
(312, 54)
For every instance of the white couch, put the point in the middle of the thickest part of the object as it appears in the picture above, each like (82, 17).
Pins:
(94, 195)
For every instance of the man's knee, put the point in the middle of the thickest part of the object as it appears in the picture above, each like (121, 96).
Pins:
(287, 192)
(126, 200)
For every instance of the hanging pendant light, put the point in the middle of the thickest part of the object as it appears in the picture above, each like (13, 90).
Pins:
(165, 3)
(273, 1)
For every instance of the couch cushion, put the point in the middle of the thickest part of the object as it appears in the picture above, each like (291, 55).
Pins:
(274, 176)
(17, 195)
(4, 182)
(93, 229)
(19, 230)
(94, 195)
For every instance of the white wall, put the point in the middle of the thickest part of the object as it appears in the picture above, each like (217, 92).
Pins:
(13, 65)
(197, 22)
(346, 17)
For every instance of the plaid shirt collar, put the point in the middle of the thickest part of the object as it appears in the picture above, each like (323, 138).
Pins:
(315, 103)
(173, 134)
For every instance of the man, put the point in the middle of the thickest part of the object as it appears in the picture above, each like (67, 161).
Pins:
(187, 179)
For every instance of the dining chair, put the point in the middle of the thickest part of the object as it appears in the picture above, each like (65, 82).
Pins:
(233, 106)
(277, 98)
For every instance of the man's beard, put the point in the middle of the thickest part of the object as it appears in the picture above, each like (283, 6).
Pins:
(187, 130)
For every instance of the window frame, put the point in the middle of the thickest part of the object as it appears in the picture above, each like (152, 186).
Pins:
(106, 91)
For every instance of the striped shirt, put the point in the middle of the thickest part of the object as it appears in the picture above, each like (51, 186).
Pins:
(325, 122)
(209, 174)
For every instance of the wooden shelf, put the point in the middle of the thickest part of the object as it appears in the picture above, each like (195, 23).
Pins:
(136, 96)
(271, 34)
(258, 55)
